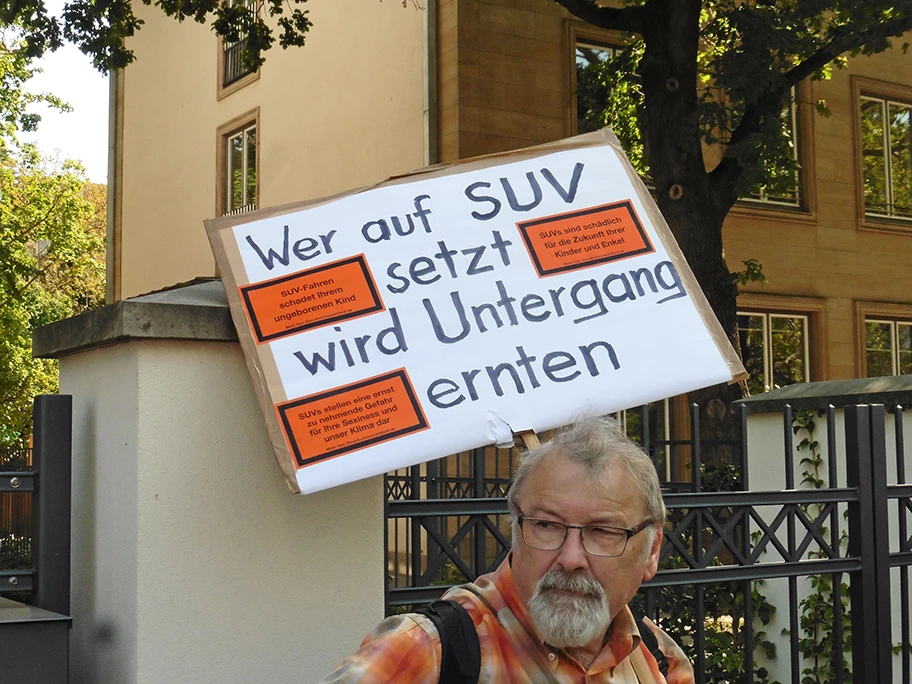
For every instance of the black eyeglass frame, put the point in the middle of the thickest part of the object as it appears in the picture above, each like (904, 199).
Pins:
(629, 531)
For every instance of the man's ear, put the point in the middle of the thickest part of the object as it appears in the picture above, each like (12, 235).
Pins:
(651, 566)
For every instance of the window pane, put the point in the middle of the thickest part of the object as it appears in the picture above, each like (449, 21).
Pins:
(750, 335)
(235, 197)
(782, 183)
(879, 348)
(591, 91)
(904, 347)
(590, 53)
(900, 159)
(241, 171)
(251, 176)
(872, 145)
(787, 352)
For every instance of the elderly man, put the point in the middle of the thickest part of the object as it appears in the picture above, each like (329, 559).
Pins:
(587, 518)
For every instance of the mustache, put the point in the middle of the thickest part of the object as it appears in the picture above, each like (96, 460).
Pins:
(576, 583)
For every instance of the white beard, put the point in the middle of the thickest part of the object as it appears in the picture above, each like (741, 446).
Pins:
(569, 620)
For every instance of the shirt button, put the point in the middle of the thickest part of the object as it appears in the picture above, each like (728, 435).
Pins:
(551, 656)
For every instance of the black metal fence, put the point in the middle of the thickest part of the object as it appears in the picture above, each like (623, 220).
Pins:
(790, 582)
(15, 509)
(447, 518)
(35, 501)
(233, 67)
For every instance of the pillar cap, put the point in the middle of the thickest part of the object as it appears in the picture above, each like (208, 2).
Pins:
(196, 310)
(889, 391)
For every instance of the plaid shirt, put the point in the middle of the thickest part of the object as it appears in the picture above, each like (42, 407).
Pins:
(406, 648)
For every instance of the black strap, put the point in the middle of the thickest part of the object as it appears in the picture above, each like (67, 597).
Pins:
(652, 643)
(461, 654)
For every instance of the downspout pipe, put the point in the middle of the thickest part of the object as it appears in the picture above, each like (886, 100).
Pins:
(112, 262)
(430, 83)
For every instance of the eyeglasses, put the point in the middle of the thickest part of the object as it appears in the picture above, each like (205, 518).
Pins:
(598, 540)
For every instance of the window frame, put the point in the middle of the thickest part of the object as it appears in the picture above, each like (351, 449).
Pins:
(806, 208)
(222, 91)
(811, 308)
(223, 134)
(797, 126)
(894, 324)
(578, 32)
(766, 332)
(879, 312)
(872, 89)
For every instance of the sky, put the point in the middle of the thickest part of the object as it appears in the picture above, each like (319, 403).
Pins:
(83, 133)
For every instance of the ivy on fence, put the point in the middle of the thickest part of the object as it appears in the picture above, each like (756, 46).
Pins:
(817, 618)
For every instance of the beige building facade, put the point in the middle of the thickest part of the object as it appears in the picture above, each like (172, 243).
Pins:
(173, 122)
(403, 86)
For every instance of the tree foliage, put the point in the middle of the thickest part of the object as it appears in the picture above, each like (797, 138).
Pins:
(730, 66)
(696, 95)
(15, 70)
(101, 29)
(52, 228)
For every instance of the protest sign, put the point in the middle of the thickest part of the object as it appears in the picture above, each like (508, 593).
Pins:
(447, 309)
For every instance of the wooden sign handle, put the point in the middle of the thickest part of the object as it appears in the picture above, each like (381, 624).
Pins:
(529, 438)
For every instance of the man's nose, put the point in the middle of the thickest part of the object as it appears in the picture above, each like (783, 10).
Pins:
(573, 555)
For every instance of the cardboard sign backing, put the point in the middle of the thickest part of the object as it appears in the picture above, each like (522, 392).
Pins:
(447, 309)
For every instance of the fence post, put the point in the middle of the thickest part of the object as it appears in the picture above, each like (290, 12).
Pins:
(52, 461)
(868, 540)
(480, 553)
(881, 539)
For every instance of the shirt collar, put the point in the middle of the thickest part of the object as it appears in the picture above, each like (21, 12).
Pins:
(620, 641)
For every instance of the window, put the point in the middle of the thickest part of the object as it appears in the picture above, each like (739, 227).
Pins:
(782, 186)
(241, 176)
(591, 92)
(233, 72)
(233, 67)
(604, 83)
(888, 347)
(237, 188)
(886, 149)
(774, 349)
(599, 64)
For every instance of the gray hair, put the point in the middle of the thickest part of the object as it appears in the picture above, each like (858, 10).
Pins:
(597, 443)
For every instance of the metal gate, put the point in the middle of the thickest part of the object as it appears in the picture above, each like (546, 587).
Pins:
(40, 481)
(845, 539)
(34, 639)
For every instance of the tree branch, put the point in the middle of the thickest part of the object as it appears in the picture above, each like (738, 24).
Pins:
(840, 42)
(631, 19)
(27, 229)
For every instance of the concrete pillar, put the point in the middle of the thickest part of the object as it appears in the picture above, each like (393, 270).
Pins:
(192, 562)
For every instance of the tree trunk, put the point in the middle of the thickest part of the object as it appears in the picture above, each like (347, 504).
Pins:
(718, 421)
(688, 200)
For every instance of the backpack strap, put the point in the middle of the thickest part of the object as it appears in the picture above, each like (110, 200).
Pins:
(652, 643)
(459, 648)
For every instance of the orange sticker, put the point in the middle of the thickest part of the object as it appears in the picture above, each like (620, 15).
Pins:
(579, 239)
(352, 417)
(320, 296)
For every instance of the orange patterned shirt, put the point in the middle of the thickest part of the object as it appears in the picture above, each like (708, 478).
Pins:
(406, 648)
